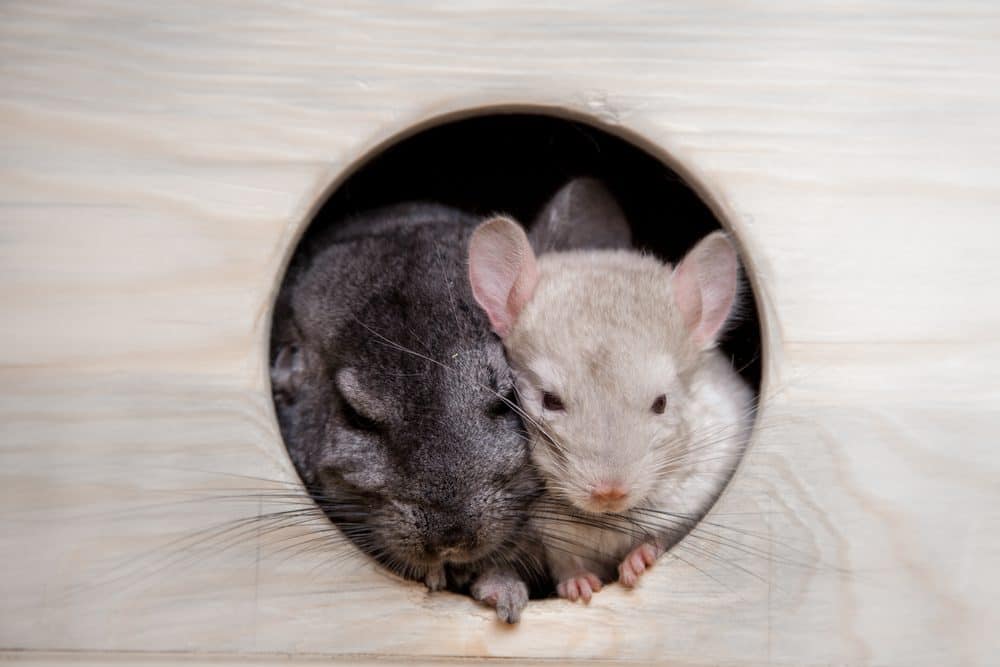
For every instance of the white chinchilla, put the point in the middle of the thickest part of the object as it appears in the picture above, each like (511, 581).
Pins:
(637, 419)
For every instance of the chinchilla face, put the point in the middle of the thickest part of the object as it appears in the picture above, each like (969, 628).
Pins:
(396, 400)
(614, 355)
(436, 455)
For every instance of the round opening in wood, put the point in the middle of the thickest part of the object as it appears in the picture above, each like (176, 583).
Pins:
(463, 345)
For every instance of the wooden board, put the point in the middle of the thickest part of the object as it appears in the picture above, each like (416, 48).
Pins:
(158, 161)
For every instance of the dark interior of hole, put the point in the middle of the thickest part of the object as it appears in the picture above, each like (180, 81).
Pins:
(512, 163)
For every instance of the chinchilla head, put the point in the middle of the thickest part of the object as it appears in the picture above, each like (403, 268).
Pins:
(395, 398)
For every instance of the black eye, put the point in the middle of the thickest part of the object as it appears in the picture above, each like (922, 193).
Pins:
(358, 421)
(552, 402)
(502, 406)
(660, 404)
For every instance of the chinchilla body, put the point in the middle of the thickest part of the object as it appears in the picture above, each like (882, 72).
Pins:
(396, 403)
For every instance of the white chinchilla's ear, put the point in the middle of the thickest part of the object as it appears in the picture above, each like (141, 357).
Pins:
(502, 271)
(704, 287)
(582, 214)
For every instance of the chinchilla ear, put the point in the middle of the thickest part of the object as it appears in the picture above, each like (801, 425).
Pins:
(502, 271)
(288, 370)
(582, 214)
(704, 287)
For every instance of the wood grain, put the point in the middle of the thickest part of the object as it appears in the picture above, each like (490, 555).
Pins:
(160, 160)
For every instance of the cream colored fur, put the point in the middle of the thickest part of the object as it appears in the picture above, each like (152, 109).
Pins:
(601, 331)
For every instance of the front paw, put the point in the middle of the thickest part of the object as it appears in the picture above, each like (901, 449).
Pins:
(636, 562)
(581, 586)
(504, 591)
(435, 578)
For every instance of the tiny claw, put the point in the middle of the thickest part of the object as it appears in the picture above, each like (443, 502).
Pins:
(504, 591)
(585, 592)
(581, 586)
(435, 579)
(636, 562)
(567, 589)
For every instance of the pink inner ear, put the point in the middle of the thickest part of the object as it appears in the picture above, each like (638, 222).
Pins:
(704, 288)
(687, 295)
(502, 271)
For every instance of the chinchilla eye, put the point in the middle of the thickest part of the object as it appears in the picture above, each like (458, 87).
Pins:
(359, 421)
(660, 404)
(502, 406)
(552, 402)
(361, 410)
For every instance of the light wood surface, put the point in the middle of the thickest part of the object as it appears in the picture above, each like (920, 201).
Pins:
(158, 161)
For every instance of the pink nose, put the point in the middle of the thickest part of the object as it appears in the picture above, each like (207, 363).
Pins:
(607, 493)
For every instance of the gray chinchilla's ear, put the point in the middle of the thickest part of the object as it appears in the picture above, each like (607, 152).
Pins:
(288, 370)
(581, 215)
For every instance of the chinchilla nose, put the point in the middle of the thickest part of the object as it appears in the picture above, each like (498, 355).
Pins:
(604, 493)
(451, 538)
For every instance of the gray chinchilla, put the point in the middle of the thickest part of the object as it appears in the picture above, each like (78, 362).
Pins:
(396, 404)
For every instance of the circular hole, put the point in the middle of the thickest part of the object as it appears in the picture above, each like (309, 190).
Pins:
(498, 162)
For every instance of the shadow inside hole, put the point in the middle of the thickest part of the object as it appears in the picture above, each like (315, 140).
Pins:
(512, 163)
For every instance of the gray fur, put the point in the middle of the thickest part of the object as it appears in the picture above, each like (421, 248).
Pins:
(410, 452)
(581, 215)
